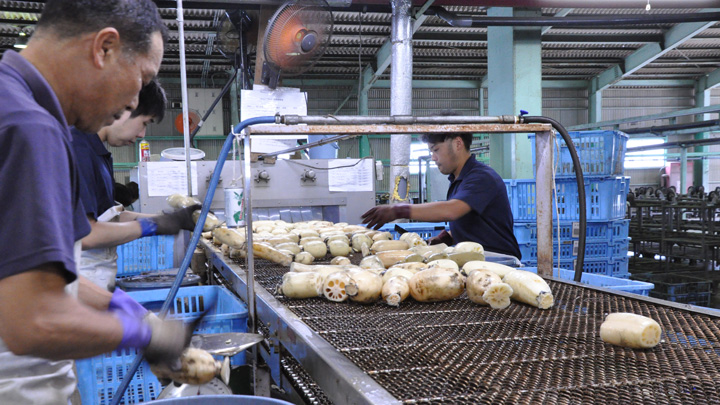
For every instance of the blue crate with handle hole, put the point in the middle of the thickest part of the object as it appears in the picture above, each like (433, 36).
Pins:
(145, 254)
(99, 376)
(606, 231)
(599, 280)
(569, 249)
(613, 267)
(605, 199)
(601, 153)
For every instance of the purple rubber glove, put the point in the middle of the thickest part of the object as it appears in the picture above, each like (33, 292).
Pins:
(162, 340)
(136, 332)
(121, 301)
(378, 216)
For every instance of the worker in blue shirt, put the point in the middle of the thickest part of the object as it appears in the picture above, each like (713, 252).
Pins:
(477, 205)
(110, 224)
(84, 65)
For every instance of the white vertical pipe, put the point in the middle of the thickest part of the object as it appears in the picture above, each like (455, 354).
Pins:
(400, 97)
(183, 89)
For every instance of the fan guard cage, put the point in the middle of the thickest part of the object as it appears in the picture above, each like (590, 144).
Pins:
(297, 36)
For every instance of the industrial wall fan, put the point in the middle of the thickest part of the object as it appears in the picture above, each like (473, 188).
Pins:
(296, 36)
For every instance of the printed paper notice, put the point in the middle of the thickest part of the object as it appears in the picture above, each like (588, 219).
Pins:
(262, 101)
(165, 178)
(346, 175)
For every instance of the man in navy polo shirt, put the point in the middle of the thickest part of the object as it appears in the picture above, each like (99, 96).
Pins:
(84, 65)
(477, 205)
(110, 226)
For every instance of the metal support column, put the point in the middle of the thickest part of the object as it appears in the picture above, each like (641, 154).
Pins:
(183, 90)
(683, 170)
(514, 84)
(701, 168)
(363, 109)
(594, 103)
(234, 107)
(400, 98)
(544, 143)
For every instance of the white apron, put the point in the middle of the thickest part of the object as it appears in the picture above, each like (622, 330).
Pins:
(32, 380)
(100, 265)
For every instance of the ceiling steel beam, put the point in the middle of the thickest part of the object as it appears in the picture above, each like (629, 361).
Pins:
(656, 4)
(652, 117)
(712, 79)
(574, 39)
(673, 38)
(561, 13)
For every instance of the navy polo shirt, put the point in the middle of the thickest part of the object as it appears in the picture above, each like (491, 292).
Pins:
(490, 221)
(94, 162)
(42, 215)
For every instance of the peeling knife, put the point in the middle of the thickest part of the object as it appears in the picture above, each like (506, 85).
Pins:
(225, 344)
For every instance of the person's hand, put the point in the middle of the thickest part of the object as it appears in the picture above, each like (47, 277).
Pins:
(121, 301)
(169, 340)
(169, 223)
(162, 340)
(378, 216)
(442, 237)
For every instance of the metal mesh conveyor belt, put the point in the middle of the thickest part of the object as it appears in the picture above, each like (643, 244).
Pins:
(459, 352)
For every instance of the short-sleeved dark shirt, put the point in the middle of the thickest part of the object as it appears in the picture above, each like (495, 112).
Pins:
(94, 162)
(42, 215)
(490, 221)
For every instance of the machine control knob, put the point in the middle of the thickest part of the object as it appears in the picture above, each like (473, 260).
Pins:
(308, 175)
(263, 175)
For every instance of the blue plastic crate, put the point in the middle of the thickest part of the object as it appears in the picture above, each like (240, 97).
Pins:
(613, 267)
(599, 280)
(569, 249)
(601, 153)
(605, 198)
(607, 231)
(426, 230)
(99, 377)
(145, 254)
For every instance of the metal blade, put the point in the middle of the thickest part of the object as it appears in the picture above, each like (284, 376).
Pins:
(225, 344)
(400, 229)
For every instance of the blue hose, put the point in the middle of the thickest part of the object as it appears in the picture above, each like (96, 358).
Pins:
(193, 242)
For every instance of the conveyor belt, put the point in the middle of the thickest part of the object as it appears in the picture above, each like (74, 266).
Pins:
(459, 352)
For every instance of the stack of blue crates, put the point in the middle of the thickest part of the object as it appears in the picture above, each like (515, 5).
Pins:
(602, 155)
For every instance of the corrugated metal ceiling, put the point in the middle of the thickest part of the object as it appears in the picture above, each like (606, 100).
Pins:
(440, 51)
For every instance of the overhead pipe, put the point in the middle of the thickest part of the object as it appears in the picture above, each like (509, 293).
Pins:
(400, 97)
(381, 5)
(676, 144)
(394, 120)
(638, 4)
(672, 127)
(455, 20)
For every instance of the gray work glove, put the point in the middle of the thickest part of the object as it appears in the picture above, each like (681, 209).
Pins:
(168, 341)
(173, 222)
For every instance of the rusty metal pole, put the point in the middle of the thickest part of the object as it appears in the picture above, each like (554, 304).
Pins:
(544, 142)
